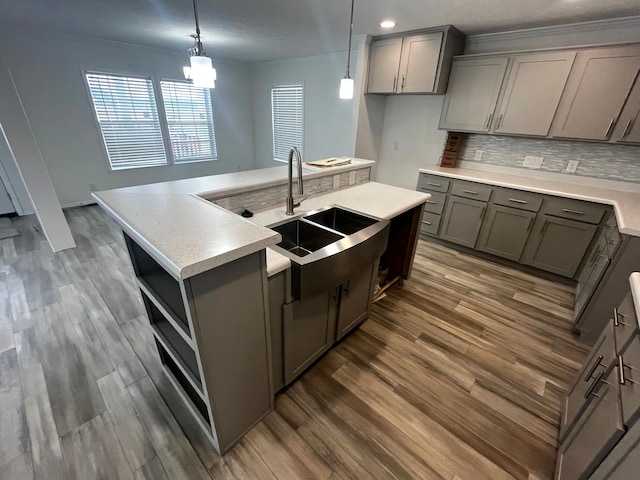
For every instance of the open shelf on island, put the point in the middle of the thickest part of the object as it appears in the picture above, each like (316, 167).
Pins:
(159, 283)
(178, 377)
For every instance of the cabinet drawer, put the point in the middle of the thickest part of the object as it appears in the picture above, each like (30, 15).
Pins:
(436, 203)
(625, 323)
(433, 183)
(517, 199)
(629, 360)
(430, 223)
(573, 209)
(471, 190)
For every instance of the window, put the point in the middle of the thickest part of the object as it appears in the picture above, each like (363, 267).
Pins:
(190, 121)
(128, 119)
(288, 120)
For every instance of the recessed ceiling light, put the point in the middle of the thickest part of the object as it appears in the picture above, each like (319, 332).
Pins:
(388, 24)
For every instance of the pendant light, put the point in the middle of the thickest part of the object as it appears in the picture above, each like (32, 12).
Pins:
(347, 83)
(200, 71)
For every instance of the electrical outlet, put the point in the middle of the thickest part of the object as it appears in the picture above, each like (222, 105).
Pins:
(352, 178)
(532, 162)
(572, 166)
(478, 155)
(336, 182)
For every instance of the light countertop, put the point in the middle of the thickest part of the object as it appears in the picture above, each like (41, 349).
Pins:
(626, 203)
(634, 281)
(188, 235)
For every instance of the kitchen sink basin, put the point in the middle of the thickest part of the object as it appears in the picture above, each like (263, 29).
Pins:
(302, 238)
(329, 246)
(341, 220)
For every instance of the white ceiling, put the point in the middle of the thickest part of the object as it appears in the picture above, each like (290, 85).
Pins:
(259, 30)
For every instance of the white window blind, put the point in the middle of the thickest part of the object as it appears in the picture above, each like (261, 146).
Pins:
(287, 109)
(190, 121)
(128, 118)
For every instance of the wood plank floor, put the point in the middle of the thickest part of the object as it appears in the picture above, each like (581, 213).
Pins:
(457, 375)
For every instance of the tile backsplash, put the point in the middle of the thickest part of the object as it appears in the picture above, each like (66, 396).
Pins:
(597, 160)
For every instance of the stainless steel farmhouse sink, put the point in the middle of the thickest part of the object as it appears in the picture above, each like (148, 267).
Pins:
(328, 246)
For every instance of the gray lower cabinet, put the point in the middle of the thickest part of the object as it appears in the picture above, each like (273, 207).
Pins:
(355, 301)
(462, 220)
(591, 274)
(505, 231)
(308, 331)
(558, 245)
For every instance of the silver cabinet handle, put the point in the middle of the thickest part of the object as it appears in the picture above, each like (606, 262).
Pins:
(500, 121)
(593, 368)
(470, 192)
(621, 369)
(611, 124)
(402, 88)
(574, 212)
(595, 383)
(434, 184)
(627, 128)
(394, 83)
(426, 223)
(431, 202)
(486, 127)
(616, 318)
(516, 200)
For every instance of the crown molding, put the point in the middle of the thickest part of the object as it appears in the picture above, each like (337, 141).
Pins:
(610, 31)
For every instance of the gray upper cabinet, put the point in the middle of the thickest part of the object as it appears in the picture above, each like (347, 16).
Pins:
(414, 63)
(628, 126)
(558, 245)
(596, 91)
(472, 94)
(462, 221)
(505, 231)
(532, 93)
(384, 64)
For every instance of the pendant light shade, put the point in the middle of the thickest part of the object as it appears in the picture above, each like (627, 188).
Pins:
(347, 83)
(200, 71)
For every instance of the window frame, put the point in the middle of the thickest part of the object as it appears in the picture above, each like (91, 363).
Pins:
(165, 125)
(273, 132)
(92, 107)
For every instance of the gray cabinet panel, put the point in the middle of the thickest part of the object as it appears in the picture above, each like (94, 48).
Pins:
(557, 245)
(628, 127)
(462, 221)
(383, 65)
(599, 429)
(505, 231)
(433, 183)
(419, 63)
(430, 223)
(625, 323)
(309, 329)
(517, 199)
(591, 274)
(471, 190)
(596, 91)
(573, 209)
(355, 300)
(436, 203)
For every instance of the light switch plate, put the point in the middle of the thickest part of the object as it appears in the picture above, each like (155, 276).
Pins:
(572, 166)
(336, 182)
(478, 155)
(532, 162)
(352, 178)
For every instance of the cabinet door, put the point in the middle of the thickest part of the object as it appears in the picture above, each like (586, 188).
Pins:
(355, 301)
(419, 63)
(308, 331)
(383, 65)
(601, 360)
(462, 220)
(596, 91)
(599, 429)
(533, 91)
(505, 231)
(474, 85)
(628, 127)
(558, 245)
(592, 271)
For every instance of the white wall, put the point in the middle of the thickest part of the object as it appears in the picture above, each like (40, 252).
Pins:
(48, 73)
(329, 128)
(410, 138)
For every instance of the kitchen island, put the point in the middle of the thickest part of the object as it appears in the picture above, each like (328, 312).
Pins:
(202, 272)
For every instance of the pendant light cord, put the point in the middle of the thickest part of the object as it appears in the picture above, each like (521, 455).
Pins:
(350, 35)
(195, 13)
